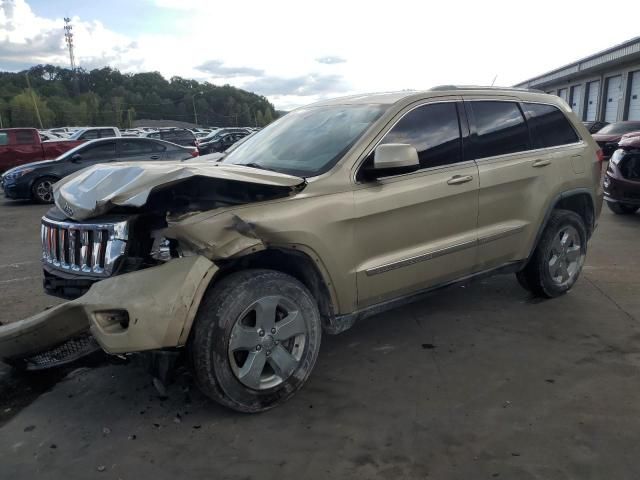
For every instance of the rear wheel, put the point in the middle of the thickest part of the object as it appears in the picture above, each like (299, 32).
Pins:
(255, 339)
(622, 208)
(558, 258)
(42, 189)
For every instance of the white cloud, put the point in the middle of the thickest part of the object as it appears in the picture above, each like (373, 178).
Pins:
(291, 51)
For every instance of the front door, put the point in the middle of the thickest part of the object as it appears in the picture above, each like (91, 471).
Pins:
(417, 230)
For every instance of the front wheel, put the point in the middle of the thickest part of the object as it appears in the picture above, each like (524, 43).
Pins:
(255, 340)
(42, 190)
(622, 208)
(558, 258)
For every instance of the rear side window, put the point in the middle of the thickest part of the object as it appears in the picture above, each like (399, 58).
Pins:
(433, 130)
(500, 129)
(549, 126)
(107, 132)
(139, 147)
(4, 138)
(89, 135)
(24, 137)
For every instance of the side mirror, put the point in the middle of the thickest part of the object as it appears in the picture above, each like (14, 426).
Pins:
(393, 159)
(76, 158)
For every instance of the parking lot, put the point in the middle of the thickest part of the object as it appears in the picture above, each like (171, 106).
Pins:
(478, 381)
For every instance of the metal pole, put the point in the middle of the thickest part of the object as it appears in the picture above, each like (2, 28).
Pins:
(195, 113)
(35, 105)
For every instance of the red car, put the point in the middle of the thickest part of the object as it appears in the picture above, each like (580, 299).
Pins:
(609, 136)
(24, 145)
(622, 178)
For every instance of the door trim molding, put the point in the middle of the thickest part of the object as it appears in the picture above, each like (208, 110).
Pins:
(457, 247)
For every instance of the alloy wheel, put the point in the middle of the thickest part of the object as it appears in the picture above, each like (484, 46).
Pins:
(566, 256)
(267, 342)
(44, 190)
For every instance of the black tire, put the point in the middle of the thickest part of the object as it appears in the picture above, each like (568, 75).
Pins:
(538, 275)
(223, 310)
(622, 208)
(40, 186)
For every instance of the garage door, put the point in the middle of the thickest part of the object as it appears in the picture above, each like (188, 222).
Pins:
(614, 92)
(634, 96)
(576, 100)
(593, 92)
(562, 93)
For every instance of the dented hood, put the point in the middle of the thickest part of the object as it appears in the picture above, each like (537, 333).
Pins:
(95, 190)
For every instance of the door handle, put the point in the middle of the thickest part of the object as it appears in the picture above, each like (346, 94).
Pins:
(155, 157)
(458, 179)
(541, 163)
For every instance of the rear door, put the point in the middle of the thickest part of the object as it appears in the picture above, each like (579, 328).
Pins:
(520, 171)
(417, 230)
(140, 150)
(26, 146)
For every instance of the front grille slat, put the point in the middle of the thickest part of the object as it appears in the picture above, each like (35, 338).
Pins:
(80, 248)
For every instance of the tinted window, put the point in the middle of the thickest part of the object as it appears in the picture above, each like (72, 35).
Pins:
(549, 126)
(500, 129)
(139, 147)
(100, 151)
(433, 130)
(24, 137)
(4, 139)
(89, 135)
(107, 132)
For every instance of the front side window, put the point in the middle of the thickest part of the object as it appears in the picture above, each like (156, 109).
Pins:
(101, 151)
(549, 126)
(307, 141)
(500, 129)
(434, 130)
(4, 138)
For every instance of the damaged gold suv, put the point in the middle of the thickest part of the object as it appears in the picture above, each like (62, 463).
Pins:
(333, 213)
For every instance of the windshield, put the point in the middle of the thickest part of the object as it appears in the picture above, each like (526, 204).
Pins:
(620, 127)
(308, 141)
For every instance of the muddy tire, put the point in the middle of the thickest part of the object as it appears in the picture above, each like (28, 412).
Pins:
(622, 208)
(255, 340)
(558, 258)
(42, 190)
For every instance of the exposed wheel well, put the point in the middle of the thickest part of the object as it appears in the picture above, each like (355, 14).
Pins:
(582, 204)
(292, 262)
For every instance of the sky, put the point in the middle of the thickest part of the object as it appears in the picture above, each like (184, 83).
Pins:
(297, 52)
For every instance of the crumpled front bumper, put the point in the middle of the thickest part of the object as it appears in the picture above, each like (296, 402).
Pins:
(160, 304)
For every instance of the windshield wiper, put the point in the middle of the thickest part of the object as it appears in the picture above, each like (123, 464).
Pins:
(252, 165)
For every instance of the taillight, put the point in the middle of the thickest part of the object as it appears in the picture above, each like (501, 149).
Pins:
(195, 152)
(600, 155)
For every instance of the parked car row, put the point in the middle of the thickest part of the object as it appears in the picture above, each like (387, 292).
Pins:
(34, 181)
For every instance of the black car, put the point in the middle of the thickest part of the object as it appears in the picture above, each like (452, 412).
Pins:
(35, 180)
(216, 134)
(596, 126)
(179, 136)
(221, 143)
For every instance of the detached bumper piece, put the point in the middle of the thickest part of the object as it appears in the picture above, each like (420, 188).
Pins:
(148, 309)
(70, 351)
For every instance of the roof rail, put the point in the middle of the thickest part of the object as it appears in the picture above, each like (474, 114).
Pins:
(481, 87)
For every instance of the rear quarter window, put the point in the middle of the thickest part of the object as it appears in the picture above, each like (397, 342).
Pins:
(549, 126)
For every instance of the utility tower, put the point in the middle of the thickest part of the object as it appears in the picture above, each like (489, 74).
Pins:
(68, 36)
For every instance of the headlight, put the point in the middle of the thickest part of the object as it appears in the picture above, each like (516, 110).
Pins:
(17, 173)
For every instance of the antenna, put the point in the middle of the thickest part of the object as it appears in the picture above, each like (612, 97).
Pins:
(68, 36)
(494, 80)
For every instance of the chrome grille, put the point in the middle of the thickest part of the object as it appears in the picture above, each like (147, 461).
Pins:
(82, 248)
